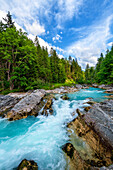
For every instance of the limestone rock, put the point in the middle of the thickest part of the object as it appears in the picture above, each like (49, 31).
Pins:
(109, 90)
(87, 108)
(95, 128)
(79, 86)
(29, 105)
(79, 113)
(62, 90)
(48, 106)
(6, 103)
(91, 102)
(75, 159)
(100, 116)
(95, 85)
(102, 86)
(65, 97)
(27, 165)
(110, 96)
(107, 168)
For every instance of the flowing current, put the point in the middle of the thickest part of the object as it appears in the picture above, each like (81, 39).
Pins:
(41, 138)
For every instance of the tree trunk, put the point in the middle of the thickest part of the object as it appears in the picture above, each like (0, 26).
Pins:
(11, 85)
(8, 71)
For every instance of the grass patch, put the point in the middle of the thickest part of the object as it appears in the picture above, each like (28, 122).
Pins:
(7, 91)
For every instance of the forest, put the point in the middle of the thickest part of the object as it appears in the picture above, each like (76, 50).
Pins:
(25, 65)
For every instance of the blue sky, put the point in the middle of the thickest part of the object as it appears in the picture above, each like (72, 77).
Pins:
(80, 28)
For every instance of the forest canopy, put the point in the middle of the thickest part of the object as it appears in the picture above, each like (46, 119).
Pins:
(25, 65)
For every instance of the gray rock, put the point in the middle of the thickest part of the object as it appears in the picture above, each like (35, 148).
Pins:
(107, 168)
(109, 90)
(102, 86)
(65, 97)
(26, 106)
(27, 165)
(106, 87)
(78, 86)
(100, 116)
(95, 85)
(62, 90)
(6, 103)
(19, 94)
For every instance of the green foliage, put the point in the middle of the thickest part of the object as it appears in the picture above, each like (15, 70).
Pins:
(103, 72)
(26, 65)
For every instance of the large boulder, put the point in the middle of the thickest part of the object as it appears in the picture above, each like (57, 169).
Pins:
(48, 110)
(109, 90)
(107, 168)
(65, 97)
(102, 86)
(27, 165)
(79, 86)
(62, 90)
(29, 105)
(106, 87)
(6, 103)
(76, 162)
(95, 85)
(95, 131)
(100, 116)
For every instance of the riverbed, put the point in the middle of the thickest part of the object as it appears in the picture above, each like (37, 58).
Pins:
(41, 138)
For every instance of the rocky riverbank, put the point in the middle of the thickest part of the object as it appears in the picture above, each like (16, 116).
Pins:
(107, 88)
(27, 165)
(19, 105)
(16, 106)
(94, 131)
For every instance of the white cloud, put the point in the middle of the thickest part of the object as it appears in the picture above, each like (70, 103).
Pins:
(35, 28)
(88, 49)
(41, 42)
(34, 32)
(59, 49)
(46, 44)
(2, 15)
(47, 32)
(27, 11)
(67, 10)
(57, 38)
(60, 56)
(110, 44)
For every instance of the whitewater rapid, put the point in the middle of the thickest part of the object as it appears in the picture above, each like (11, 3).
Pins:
(41, 138)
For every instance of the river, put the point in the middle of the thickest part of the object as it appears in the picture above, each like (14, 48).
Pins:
(40, 138)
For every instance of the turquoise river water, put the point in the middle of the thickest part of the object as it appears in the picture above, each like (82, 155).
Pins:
(40, 139)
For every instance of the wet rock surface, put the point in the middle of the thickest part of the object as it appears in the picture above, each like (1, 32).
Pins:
(95, 85)
(6, 103)
(107, 168)
(101, 118)
(67, 89)
(76, 161)
(65, 97)
(87, 108)
(27, 165)
(79, 86)
(110, 96)
(109, 90)
(47, 110)
(29, 105)
(62, 90)
(94, 130)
